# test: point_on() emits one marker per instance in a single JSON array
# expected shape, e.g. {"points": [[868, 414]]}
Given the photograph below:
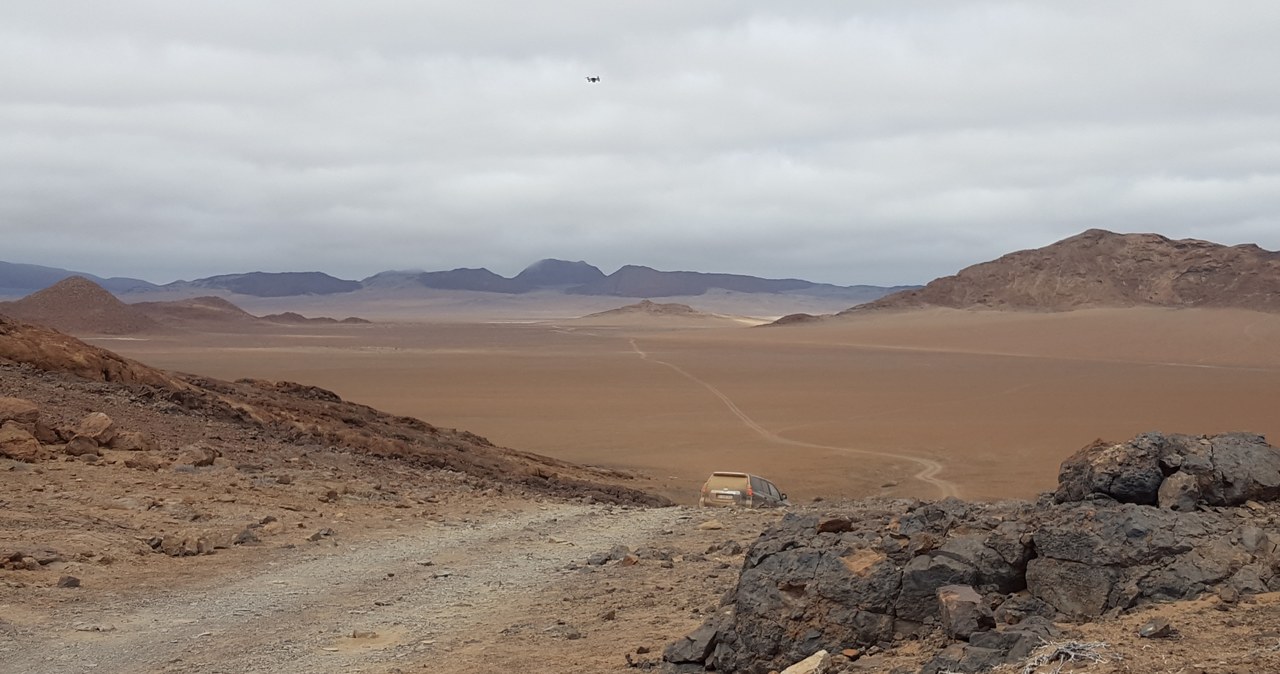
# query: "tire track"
{"points": [[929, 469]]}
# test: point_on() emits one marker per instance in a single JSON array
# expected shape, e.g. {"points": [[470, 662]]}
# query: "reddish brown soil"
{"points": [[998, 399]]}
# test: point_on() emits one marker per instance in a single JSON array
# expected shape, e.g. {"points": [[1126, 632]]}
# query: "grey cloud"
{"points": [[881, 142]]}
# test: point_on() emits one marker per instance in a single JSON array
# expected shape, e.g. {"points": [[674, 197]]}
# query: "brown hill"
{"points": [[652, 308], [647, 313], [297, 318], [205, 309], [80, 306], [1103, 269]]}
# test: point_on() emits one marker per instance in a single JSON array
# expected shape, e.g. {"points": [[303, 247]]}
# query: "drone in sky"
{"points": [[593, 78]]}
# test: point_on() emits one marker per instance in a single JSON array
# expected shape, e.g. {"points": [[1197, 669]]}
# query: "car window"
{"points": [[773, 491]]}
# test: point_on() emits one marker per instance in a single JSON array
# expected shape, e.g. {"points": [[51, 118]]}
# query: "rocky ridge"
{"points": [[1098, 268]]}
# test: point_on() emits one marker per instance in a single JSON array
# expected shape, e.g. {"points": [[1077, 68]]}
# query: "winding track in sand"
{"points": [[929, 469]]}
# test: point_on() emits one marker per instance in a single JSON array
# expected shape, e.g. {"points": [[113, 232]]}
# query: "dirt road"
{"points": [[929, 468], [450, 594]]}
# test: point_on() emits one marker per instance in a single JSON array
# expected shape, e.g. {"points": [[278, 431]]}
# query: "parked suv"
{"points": [[741, 489]]}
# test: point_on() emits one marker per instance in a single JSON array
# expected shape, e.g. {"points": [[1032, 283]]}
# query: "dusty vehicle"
{"points": [[740, 489]]}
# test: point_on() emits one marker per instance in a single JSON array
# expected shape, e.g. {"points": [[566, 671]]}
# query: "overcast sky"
{"points": [[844, 142]]}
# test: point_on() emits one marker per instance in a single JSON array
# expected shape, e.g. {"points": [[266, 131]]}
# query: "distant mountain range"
{"points": [[577, 278], [20, 279], [1098, 268]]}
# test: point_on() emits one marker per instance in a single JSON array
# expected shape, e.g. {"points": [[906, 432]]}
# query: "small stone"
{"points": [[81, 445], [363, 634], [1156, 628], [323, 533], [98, 427], [144, 462], [642, 650], [131, 441], [609, 615], [68, 581], [818, 663], [197, 456], [711, 525]]}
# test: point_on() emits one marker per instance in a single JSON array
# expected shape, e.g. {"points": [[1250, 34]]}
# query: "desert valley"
{"points": [[307, 437]]}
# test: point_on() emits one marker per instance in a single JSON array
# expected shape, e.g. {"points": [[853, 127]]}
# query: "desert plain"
{"points": [[924, 403]]}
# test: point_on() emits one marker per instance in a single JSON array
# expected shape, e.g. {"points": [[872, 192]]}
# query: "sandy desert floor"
{"points": [[983, 405]]}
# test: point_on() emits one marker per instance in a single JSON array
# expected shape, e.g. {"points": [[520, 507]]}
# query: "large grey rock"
{"points": [[1127, 472], [962, 611], [1180, 491], [1174, 471], [1074, 588], [964, 658], [921, 579], [694, 647]]}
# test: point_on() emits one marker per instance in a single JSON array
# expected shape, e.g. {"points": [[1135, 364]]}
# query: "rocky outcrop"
{"points": [[1175, 471], [988, 574]]}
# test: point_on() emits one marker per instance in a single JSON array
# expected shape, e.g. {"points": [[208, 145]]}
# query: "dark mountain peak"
{"points": [[1098, 268], [552, 273], [639, 281], [276, 284], [480, 279]]}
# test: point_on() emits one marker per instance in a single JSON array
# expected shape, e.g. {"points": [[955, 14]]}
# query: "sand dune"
{"points": [[996, 399]]}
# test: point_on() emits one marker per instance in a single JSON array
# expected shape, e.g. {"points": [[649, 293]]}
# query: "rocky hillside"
{"points": [[81, 306], [968, 587], [1103, 269]]}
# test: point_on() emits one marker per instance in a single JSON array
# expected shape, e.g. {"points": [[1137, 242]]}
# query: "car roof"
{"points": [[721, 473]]}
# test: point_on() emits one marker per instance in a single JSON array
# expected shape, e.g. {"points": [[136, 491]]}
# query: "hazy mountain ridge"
{"points": [[20, 279], [274, 284], [1098, 268], [577, 278]]}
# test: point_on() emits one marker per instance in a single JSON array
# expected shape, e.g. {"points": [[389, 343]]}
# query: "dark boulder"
{"points": [[1174, 471]]}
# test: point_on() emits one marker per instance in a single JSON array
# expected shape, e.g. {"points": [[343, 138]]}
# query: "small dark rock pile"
{"points": [[987, 580]]}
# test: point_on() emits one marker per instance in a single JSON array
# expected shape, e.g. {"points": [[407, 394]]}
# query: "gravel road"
{"points": [[297, 610]]}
